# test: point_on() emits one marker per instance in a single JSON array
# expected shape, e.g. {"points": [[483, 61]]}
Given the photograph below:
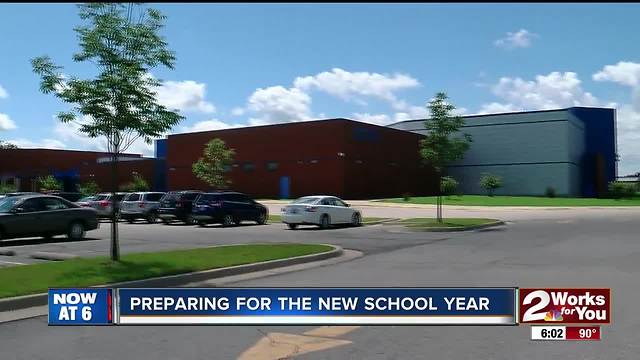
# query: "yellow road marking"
{"points": [[275, 346]]}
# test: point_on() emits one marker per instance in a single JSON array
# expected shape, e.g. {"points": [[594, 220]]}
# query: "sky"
{"points": [[253, 64]]}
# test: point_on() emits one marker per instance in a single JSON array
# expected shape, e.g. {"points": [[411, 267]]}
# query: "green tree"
{"points": [[89, 188], [119, 103], [7, 145], [210, 168], [443, 142], [48, 183], [137, 184], [490, 183]]}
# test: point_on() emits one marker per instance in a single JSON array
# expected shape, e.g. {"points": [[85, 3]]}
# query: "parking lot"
{"points": [[143, 237]]}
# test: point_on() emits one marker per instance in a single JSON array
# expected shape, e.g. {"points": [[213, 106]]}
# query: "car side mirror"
{"points": [[17, 210], [348, 205]]}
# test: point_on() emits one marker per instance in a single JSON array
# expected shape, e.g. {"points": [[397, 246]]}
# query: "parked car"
{"points": [[103, 203], [177, 206], [44, 215], [228, 208], [320, 210], [19, 194], [69, 196], [85, 201], [141, 205]]}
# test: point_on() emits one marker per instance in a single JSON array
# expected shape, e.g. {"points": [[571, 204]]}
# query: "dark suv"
{"points": [[228, 208], [177, 205]]}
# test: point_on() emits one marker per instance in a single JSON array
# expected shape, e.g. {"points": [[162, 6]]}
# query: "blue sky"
{"points": [[252, 64]]}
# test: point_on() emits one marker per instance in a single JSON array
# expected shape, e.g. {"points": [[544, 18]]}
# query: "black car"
{"points": [[44, 215], [177, 205], [228, 208]]}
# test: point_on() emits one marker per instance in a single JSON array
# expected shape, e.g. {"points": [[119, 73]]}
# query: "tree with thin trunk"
{"points": [[211, 167], [443, 142], [119, 104]]}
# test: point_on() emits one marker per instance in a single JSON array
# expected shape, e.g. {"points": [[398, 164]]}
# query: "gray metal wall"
{"points": [[530, 151]]}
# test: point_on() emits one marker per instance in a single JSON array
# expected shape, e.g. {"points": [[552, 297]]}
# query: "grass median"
{"points": [[453, 223], [480, 200], [37, 278]]}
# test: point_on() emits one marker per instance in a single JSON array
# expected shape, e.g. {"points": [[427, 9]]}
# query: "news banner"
{"points": [[554, 313]]}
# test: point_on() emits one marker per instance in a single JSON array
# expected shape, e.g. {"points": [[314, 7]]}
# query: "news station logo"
{"points": [[565, 306]]}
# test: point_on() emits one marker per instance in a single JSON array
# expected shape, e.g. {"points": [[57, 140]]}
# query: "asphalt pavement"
{"points": [[565, 251]]}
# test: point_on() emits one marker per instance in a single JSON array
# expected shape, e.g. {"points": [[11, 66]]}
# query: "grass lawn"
{"points": [[481, 200], [426, 223], [365, 221], [37, 278]]}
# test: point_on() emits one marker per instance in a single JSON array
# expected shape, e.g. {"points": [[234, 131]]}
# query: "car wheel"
{"points": [[130, 221], [227, 220], [292, 226], [325, 221], [165, 221], [152, 218], [262, 218], [76, 231], [356, 219], [202, 224], [189, 220], [47, 236]]}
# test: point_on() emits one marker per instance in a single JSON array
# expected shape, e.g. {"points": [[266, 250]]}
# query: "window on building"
{"points": [[272, 166], [248, 166]]}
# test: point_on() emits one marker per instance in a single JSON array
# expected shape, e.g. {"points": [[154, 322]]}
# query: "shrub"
{"points": [[7, 188], [448, 185], [490, 183], [49, 183], [621, 190], [138, 184], [550, 192], [406, 196], [89, 188]]}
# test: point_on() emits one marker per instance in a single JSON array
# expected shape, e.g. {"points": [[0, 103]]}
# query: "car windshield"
{"points": [[6, 204], [305, 200], [100, 197]]}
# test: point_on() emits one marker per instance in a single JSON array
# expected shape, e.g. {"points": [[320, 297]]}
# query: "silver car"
{"points": [[141, 205], [103, 203]]}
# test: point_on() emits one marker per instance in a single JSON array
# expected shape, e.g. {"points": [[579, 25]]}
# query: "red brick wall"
{"points": [[295, 147]]}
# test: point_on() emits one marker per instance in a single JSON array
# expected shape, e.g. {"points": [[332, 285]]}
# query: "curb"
{"points": [[27, 301], [43, 255], [384, 221], [457, 229]]}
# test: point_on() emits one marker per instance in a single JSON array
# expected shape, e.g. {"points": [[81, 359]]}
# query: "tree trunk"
{"points": [[115, 247], [439, 199]]}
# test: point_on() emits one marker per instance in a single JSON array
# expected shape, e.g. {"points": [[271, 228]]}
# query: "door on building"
{"points": [[285, 187]]}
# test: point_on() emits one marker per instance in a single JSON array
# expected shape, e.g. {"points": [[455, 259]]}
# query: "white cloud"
{"points": [[3, 93], [552, 91], [349, 86], [44, 143], [624, 73], [519, 39], [279, 104], [208, 125], [185, 96], [237, 111], [377, 119], [496, 108], [6, 123]]}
